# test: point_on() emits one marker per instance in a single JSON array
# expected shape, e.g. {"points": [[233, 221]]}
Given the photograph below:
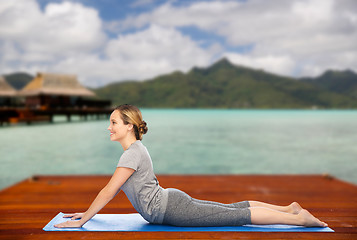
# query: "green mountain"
{"points": [[342, 82], [18, 80], [224, 85]]}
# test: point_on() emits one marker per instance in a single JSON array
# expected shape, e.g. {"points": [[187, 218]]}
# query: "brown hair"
{"points": [[131, 114]]}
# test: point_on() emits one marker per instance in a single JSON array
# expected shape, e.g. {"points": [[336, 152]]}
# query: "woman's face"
{"points": [[118, 130]]}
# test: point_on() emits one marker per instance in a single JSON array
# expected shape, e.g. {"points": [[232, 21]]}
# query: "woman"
{"points": [[135, 176]]}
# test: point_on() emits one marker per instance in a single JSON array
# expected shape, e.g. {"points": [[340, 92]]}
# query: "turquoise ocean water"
{"points": [[191, 142]]}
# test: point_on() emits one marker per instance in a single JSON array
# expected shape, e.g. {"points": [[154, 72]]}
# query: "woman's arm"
{"points": [[119, 177]]}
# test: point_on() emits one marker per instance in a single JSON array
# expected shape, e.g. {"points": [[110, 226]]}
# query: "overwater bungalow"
{"points": [[49, 90], [7, 93], [51, 94]]}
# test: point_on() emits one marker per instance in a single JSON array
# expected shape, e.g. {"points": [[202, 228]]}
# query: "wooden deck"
{"points": [[29, 205]]}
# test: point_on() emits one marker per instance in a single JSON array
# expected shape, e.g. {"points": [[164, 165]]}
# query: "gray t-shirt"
{"points": [[142, 187]]}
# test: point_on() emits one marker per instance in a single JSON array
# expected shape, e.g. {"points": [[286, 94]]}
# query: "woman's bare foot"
{"points": [[294, 208], [308, 220]]}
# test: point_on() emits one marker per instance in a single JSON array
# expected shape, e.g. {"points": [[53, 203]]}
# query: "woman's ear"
{"points": [[130, 126]]}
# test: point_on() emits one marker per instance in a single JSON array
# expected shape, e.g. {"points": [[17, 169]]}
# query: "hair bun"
{"points": [[142, 127]]}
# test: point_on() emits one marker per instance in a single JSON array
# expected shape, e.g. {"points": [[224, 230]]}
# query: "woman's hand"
{"points": [[119, 177], [74, 216], [69, 224]]}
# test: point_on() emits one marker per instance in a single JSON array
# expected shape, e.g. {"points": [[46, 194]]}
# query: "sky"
{"points": [[119, 40]]}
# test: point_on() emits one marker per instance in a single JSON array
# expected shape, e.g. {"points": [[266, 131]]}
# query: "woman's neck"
{"points": [[127, 142]]}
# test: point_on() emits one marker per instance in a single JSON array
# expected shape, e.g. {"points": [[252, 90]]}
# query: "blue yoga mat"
{"points": [[135, 223]]}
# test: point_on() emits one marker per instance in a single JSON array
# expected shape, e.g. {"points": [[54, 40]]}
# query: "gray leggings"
{"points": [[183, 210]]}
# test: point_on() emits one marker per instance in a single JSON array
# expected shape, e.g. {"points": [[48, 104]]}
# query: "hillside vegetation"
{"points": [[224, 85], [18, 80]]}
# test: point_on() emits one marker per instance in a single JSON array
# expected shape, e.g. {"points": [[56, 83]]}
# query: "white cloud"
{"points": [[141, 55], [59, 31], [299, 30], [72, 26], [18, 17], [282, 65], [68, 37], [157, 43], [8, 51], [297, 37]]}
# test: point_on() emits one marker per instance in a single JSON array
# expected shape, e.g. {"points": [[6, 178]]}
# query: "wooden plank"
{"points": [[28, 206]]}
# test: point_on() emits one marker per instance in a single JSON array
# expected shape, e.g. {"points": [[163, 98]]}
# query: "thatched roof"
{"points": [[55, 84], [6, 90]]}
